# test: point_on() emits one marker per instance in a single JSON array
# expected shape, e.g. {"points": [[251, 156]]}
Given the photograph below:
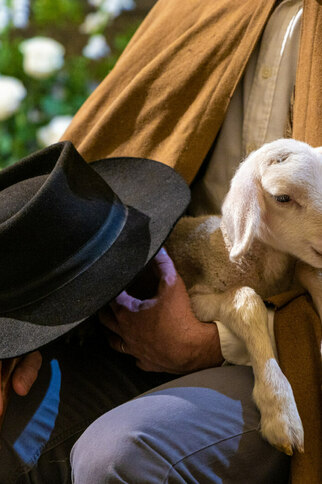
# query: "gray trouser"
{"points": [[157, 437], [201, 428], [75, 386]]}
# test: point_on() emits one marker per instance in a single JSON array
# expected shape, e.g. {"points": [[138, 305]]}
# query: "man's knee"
{"points": [[104, 454], [175, 432]]}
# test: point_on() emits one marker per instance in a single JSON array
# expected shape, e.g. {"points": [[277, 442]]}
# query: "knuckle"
{"points": [[119, 311]]}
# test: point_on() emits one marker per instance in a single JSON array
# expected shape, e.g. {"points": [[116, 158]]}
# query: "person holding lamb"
{"points": [[200, 86]]}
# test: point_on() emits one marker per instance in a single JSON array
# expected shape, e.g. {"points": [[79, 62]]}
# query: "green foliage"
{"points": [[11, 57], [63, 92], [58, 12]]}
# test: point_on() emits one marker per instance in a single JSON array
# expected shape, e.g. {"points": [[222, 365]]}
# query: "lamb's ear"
{"points": [[242, 209]]}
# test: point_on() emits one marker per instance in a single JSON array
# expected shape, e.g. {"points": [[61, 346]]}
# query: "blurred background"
{"points": [[53, 53]]}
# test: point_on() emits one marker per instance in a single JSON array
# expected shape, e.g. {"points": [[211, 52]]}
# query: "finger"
{"points": [[125, 301], [150, 366], [117, 343], [26, 373], [165, 269], [107, 318]]}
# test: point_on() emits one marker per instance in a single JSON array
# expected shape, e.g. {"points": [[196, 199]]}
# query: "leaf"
{"points": [[49, 12], [5, 144]]}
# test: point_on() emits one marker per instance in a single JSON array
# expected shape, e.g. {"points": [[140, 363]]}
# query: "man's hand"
{"points": [[162, 333], [24, 374]]}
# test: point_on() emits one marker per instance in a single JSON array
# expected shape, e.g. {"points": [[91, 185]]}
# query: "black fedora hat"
{"points": [[74, 235]]}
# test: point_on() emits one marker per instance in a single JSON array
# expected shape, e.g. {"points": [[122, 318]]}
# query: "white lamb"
{"points": [[271, 220]]}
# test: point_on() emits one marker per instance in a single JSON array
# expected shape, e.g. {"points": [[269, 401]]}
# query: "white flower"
{"points": [[12, 92], [17, 13], [94, 22], [95, 3], [106, 10], [52, 133], [115, 7], [96, 47], [4, 15], [42, 56], [20, 13]]}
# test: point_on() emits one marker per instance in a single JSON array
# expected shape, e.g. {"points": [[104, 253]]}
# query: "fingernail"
{"points": [[163, 251]]}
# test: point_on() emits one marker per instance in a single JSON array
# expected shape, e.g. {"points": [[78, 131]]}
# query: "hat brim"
{"points": [[156, 197]]}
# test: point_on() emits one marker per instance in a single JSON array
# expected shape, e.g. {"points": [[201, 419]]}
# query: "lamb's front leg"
{"points": [[243, 311]]}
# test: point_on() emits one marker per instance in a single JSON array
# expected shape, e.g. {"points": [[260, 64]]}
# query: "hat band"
{"points": [[72, 267]]}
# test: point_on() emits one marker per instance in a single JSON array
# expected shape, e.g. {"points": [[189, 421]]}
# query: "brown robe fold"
{"points": [[166, 99]]}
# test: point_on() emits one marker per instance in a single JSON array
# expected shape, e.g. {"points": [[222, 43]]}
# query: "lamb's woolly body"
{"points": [[263, 268], [230, 264]]}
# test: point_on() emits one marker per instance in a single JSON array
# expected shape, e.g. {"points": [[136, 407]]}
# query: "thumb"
{"points": [[164, 268], [125, 301]]}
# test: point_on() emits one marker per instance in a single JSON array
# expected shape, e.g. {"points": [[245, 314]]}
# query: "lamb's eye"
{"points": [[282, 198], [282, 158]]}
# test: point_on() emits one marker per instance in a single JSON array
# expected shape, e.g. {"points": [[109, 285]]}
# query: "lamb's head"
{"points": [[276, 196]]}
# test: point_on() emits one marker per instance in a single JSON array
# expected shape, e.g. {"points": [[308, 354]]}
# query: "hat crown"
{"points": [[39, 246]]}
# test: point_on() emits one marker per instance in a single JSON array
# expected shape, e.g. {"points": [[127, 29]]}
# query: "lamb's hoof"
{"points": [[287, 449], [285, 434], [281, 424], [283, 429]]}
